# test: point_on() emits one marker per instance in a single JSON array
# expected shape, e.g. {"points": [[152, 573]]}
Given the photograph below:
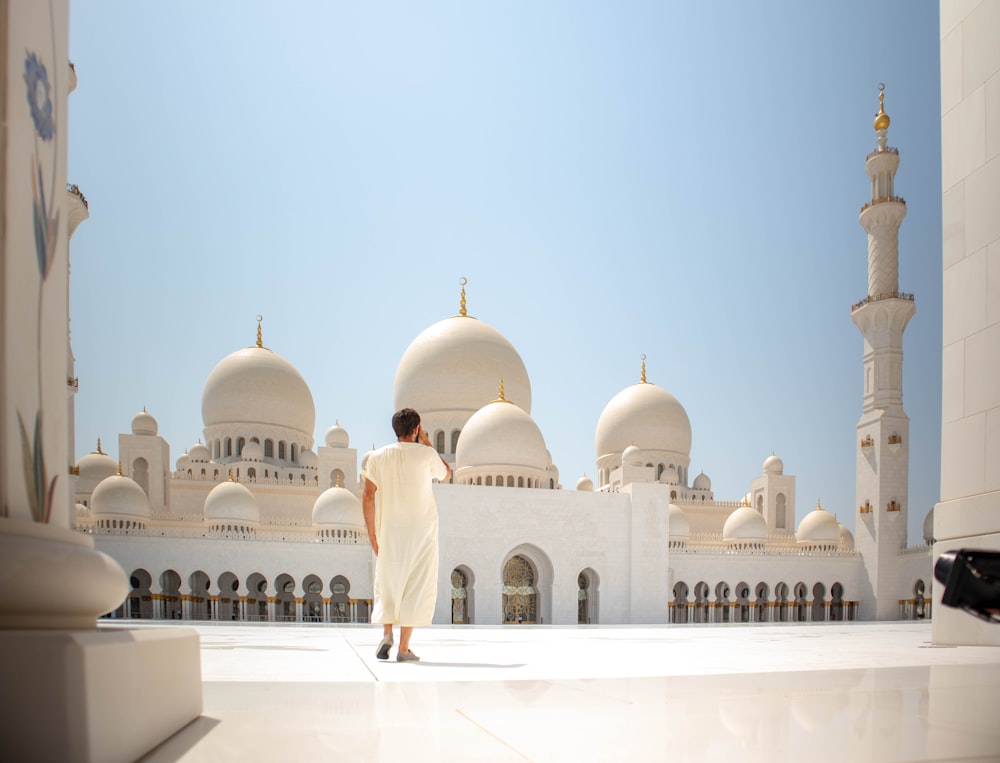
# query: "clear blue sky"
{"points": [[676, 179]]}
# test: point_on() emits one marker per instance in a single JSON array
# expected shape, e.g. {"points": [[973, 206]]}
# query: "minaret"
{"points": [[883, 430]]}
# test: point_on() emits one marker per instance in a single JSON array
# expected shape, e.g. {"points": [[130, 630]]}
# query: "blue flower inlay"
{"points": [[37, 80]]}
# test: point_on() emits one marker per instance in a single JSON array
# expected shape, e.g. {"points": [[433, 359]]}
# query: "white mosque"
{"points": [[259, 523]]}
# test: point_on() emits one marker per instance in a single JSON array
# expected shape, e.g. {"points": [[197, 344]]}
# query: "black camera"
{"points": [[971, 581]]}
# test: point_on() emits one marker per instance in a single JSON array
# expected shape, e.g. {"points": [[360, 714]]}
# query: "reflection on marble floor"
{"points": [[867, 692]]}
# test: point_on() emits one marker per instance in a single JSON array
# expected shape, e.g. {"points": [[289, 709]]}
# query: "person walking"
{"points": [[403, 531]]}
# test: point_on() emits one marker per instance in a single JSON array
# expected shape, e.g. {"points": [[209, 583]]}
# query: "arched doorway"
{"points": [[742, 602], [140, 599], [836, 602], [781, 601], [312, 601], [340, 600], [199, 583], [286, 609], [701, 602], [256, 604], [520, 597], [587, 597], [722, 603], [762, 592], [818, 604], [800, 602], [919, 605], [140, 474], [229, 601], [679, 611], [170, 596], [461, 596]]}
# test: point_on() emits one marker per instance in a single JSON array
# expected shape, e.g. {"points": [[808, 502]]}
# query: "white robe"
{"points": [[406, 528]]}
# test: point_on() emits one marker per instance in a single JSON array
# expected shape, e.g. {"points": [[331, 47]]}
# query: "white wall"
{"points": [[969, 512]]}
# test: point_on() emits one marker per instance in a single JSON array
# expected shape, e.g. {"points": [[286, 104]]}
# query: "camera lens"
{"points": [[944, 564]]}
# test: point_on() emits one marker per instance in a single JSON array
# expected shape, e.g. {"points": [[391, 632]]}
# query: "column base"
{"points": [[109, 694]]}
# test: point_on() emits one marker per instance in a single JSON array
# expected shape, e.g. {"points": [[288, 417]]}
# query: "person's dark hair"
{"points": [[405, 421]]}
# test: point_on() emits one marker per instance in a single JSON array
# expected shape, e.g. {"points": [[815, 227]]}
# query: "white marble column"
{"points": [[70, 691]]}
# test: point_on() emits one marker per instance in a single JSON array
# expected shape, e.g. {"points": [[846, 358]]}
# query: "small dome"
{"points": [[336, 437], [338, 506], [231, 502], [199, 453], [745, 524], [631, 456], [308, 459], [702, 482], [97, 466], [818, 526], [929, 528], [183, 461], [669, 476], [252, 451], [120, 496], [585, 484], [678, 524], [501, 434], [846, 539], [143, 423], [773, 465]]}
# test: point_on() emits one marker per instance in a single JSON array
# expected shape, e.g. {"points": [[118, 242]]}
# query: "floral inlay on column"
{"points": [[40, 489]]}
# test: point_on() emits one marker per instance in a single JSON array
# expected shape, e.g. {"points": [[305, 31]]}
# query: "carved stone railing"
{"points": [[880, 297], [74, 189], [886, 150]]}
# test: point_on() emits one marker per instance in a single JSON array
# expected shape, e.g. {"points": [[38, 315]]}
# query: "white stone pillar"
{"points": [[70, 691]]}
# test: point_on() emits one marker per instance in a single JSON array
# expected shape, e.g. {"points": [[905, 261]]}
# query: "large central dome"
{"points": [[644, 415], [257, 386], [455, 365]]}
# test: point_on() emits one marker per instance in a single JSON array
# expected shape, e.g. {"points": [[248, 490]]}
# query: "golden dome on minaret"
{"points": [[881, 119]]}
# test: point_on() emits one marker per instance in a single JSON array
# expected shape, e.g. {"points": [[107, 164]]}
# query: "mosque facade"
{"points": [[257, 522]]}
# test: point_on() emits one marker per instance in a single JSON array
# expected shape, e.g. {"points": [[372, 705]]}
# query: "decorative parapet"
{"points": [[868, 442], [886, 150], [883, 200], [880, 297], [74, 189], [73, 382], [865, 508], [895, 439], [893, 506]]}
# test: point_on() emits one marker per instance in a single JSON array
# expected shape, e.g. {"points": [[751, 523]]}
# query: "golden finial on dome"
{"points": [[120, 473], [101, 452], [461, 302], [340, 482], [745, 502], [881, 119], [642, 378], [819, 507], [232, 478], [501, 398], [260, 334]]}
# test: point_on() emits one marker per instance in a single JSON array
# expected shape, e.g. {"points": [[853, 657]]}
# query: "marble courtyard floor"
{"points": [[789, 692]]}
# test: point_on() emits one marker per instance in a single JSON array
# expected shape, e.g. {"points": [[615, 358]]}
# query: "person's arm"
{"points": [[368, 503], [425, 440]]}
